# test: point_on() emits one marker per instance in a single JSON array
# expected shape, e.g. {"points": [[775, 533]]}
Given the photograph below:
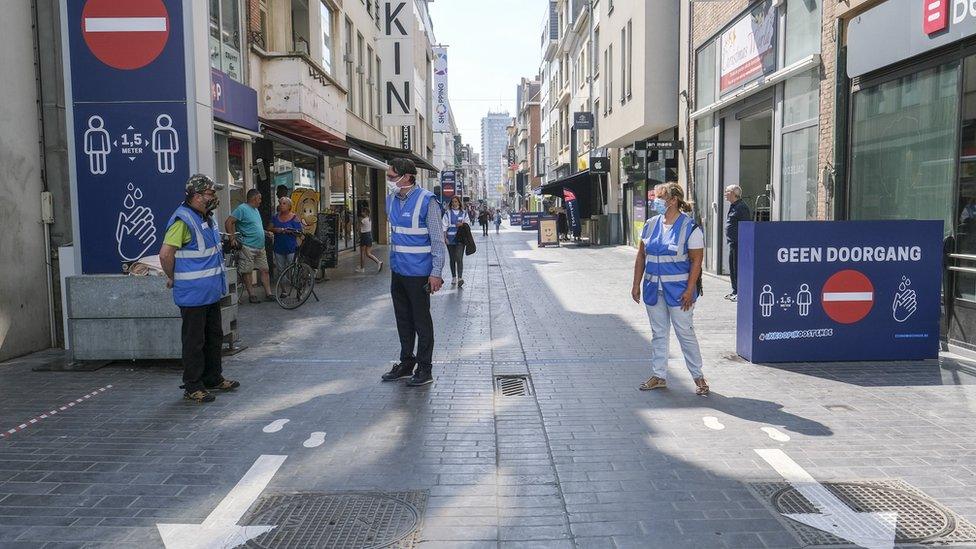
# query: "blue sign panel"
{"points": [[233, 102], [530, 221], [839, 291], [514, 220], [129, 132], [448, 184]]}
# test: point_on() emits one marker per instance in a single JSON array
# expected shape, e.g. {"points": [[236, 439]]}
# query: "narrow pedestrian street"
{"points": [[585, 460]]}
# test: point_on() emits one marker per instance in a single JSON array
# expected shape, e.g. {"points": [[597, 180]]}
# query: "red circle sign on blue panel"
{"points": [[848, 296], [125, 35]]}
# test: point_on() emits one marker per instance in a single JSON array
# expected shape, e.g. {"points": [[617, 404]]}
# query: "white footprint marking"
{"points": [[776, 434], [315, 439], [275, 426], [713, 423]]}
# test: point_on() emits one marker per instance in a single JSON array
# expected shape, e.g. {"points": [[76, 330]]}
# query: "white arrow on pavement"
{"points": [[870, 530], [220, 530]]}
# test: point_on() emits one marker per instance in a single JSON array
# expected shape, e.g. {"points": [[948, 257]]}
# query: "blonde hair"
{"points": [[673, 190]]}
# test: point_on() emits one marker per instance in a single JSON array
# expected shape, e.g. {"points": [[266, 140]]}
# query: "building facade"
{"points": [[528, 141]]}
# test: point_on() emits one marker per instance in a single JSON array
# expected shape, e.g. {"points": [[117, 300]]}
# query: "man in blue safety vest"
{"points": [[417, 253], [193, 261]]}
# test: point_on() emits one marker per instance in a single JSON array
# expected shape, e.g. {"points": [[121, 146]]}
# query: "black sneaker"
{"points": [[399, 371], [422, 377], [199, 396]]}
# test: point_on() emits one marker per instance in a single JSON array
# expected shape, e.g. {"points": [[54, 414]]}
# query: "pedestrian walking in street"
{"points": [[246, 219], [738, 211], [454, 219], [498, 220], [483, 221], [192, 259], [284, 226], [366, 242], [667, 271], [417, 254]]}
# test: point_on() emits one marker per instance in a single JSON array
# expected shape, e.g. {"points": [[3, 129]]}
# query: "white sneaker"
{"points": [[360, 270], [453, 282]]}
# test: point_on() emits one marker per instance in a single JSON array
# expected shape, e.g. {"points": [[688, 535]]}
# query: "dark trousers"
{"points": [[484, 229], [411, 303], [457, 259], [734, 267], [202, 336]]}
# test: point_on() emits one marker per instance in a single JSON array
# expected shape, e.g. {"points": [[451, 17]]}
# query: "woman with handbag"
{"points": [[454, 218]]}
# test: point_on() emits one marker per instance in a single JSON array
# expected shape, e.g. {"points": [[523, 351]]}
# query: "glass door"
{"points": [[961, 275]]}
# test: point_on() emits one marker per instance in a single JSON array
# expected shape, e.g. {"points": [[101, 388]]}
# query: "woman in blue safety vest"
{"points": [[454, 218], [667, 270]]}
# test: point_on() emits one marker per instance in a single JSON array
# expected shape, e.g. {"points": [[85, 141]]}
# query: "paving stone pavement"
{"points": [[587, 461]]}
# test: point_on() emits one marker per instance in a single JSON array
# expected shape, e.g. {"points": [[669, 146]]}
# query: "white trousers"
{"points": [[662, 317]]}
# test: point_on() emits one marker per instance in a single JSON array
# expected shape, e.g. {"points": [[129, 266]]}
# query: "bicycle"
{"points": [[232, 258], [296, 283]]}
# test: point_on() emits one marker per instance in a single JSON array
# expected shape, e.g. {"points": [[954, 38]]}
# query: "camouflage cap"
{"points": [[199, 183]]}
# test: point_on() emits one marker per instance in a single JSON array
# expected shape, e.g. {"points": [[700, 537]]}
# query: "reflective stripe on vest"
{"points": [[198, 273], [410, 240], [667, 264]]}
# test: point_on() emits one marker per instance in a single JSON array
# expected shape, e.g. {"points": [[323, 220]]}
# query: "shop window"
{"points": [[326, 17], [964, 225], [801, 101], [904, 146], [347, 56], [630, 59], [705, 76], [360, 75], [803, 24], [225, 38], [800, 176]]}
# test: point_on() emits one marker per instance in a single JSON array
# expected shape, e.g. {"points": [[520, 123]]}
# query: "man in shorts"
{"points": [[246, 220]]}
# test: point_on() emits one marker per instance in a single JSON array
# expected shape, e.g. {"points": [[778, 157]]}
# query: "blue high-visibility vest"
{"points": [[667, 264], [453, 217], [410, 251], [199, 276]]}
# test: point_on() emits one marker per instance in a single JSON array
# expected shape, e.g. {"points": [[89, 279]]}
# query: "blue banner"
{"points": [[572, 212], [514, 220], [129, 125], [839, 291]]}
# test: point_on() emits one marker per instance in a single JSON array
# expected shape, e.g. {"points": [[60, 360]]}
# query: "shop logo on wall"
{"points": [[935, 18]]}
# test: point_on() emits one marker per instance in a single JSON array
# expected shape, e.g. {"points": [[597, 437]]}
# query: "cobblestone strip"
{"points": [[530, 500]]}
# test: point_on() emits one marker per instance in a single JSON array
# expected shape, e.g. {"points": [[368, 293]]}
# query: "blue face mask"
{"points": [[660, 206]]}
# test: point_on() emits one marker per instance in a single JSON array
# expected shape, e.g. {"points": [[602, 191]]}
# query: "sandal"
{"points": [[653, 383], [702, 387], [253, 299]]}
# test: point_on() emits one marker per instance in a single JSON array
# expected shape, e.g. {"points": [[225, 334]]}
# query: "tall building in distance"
{"points": [[494, 150]]}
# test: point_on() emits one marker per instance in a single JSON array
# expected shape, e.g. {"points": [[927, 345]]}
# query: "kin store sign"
{"points": [[395, 45], [839, 290]]}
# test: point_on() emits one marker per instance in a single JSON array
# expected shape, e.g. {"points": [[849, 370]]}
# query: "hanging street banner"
{"points": [[128, 115], [442, 105], [839, 291], [748, 47], [395, 45]]}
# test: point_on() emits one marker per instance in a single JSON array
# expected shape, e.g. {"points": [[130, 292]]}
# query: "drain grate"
{"points": [[839, 407], [339, 520], [493, 265], [920, 519], [513, 386]]}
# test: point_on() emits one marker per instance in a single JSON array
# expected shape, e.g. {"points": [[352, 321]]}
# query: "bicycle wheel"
{"points": [[294, 286]]}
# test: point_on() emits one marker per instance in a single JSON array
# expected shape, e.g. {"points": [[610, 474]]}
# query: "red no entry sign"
{"points": [[848, 297], [125, 35]]}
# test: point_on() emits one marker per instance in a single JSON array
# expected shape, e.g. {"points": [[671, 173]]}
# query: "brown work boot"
{"points": [[653, 383], [702, 387], [200, 396], [225, 385]]}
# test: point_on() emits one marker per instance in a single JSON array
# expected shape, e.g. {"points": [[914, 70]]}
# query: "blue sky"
{"points": [[492, 44]]}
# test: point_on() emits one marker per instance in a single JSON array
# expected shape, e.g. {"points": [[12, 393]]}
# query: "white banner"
{"points": [[442, 105], [749, 47], [396, 50]]}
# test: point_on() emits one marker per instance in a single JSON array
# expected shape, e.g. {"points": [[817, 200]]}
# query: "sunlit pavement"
{"points": [[585, 461]]}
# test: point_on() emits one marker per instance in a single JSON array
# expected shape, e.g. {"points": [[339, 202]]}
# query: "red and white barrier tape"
{"points": [[46, 415]]}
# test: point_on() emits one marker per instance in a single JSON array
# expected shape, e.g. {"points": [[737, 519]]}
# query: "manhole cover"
{"points": [[360, 520], [920, 519], [512, 386]]}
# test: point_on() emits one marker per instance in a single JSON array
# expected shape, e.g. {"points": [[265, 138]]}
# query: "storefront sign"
{"points": [[442, 107], [749, 47], [448, 184], [127, 118], [839, 291], [233, 102], [395, 47], [671, 145], [327, 230], [548, 235], [582, 121], [515, 220], [512, 159], [903, 26], [406, 138], [530, 221]]}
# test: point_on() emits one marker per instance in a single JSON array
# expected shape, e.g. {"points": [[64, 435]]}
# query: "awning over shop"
{"points": [[587, 186], [307, 134], [389, 153]]}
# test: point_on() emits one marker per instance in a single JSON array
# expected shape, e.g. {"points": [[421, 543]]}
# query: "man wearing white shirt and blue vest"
{"points": [[193, 261], [417, 253]]}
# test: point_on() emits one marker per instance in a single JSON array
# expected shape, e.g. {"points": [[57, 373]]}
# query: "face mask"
{"points": [[660, 206], [212, 204], [391, 184]]}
